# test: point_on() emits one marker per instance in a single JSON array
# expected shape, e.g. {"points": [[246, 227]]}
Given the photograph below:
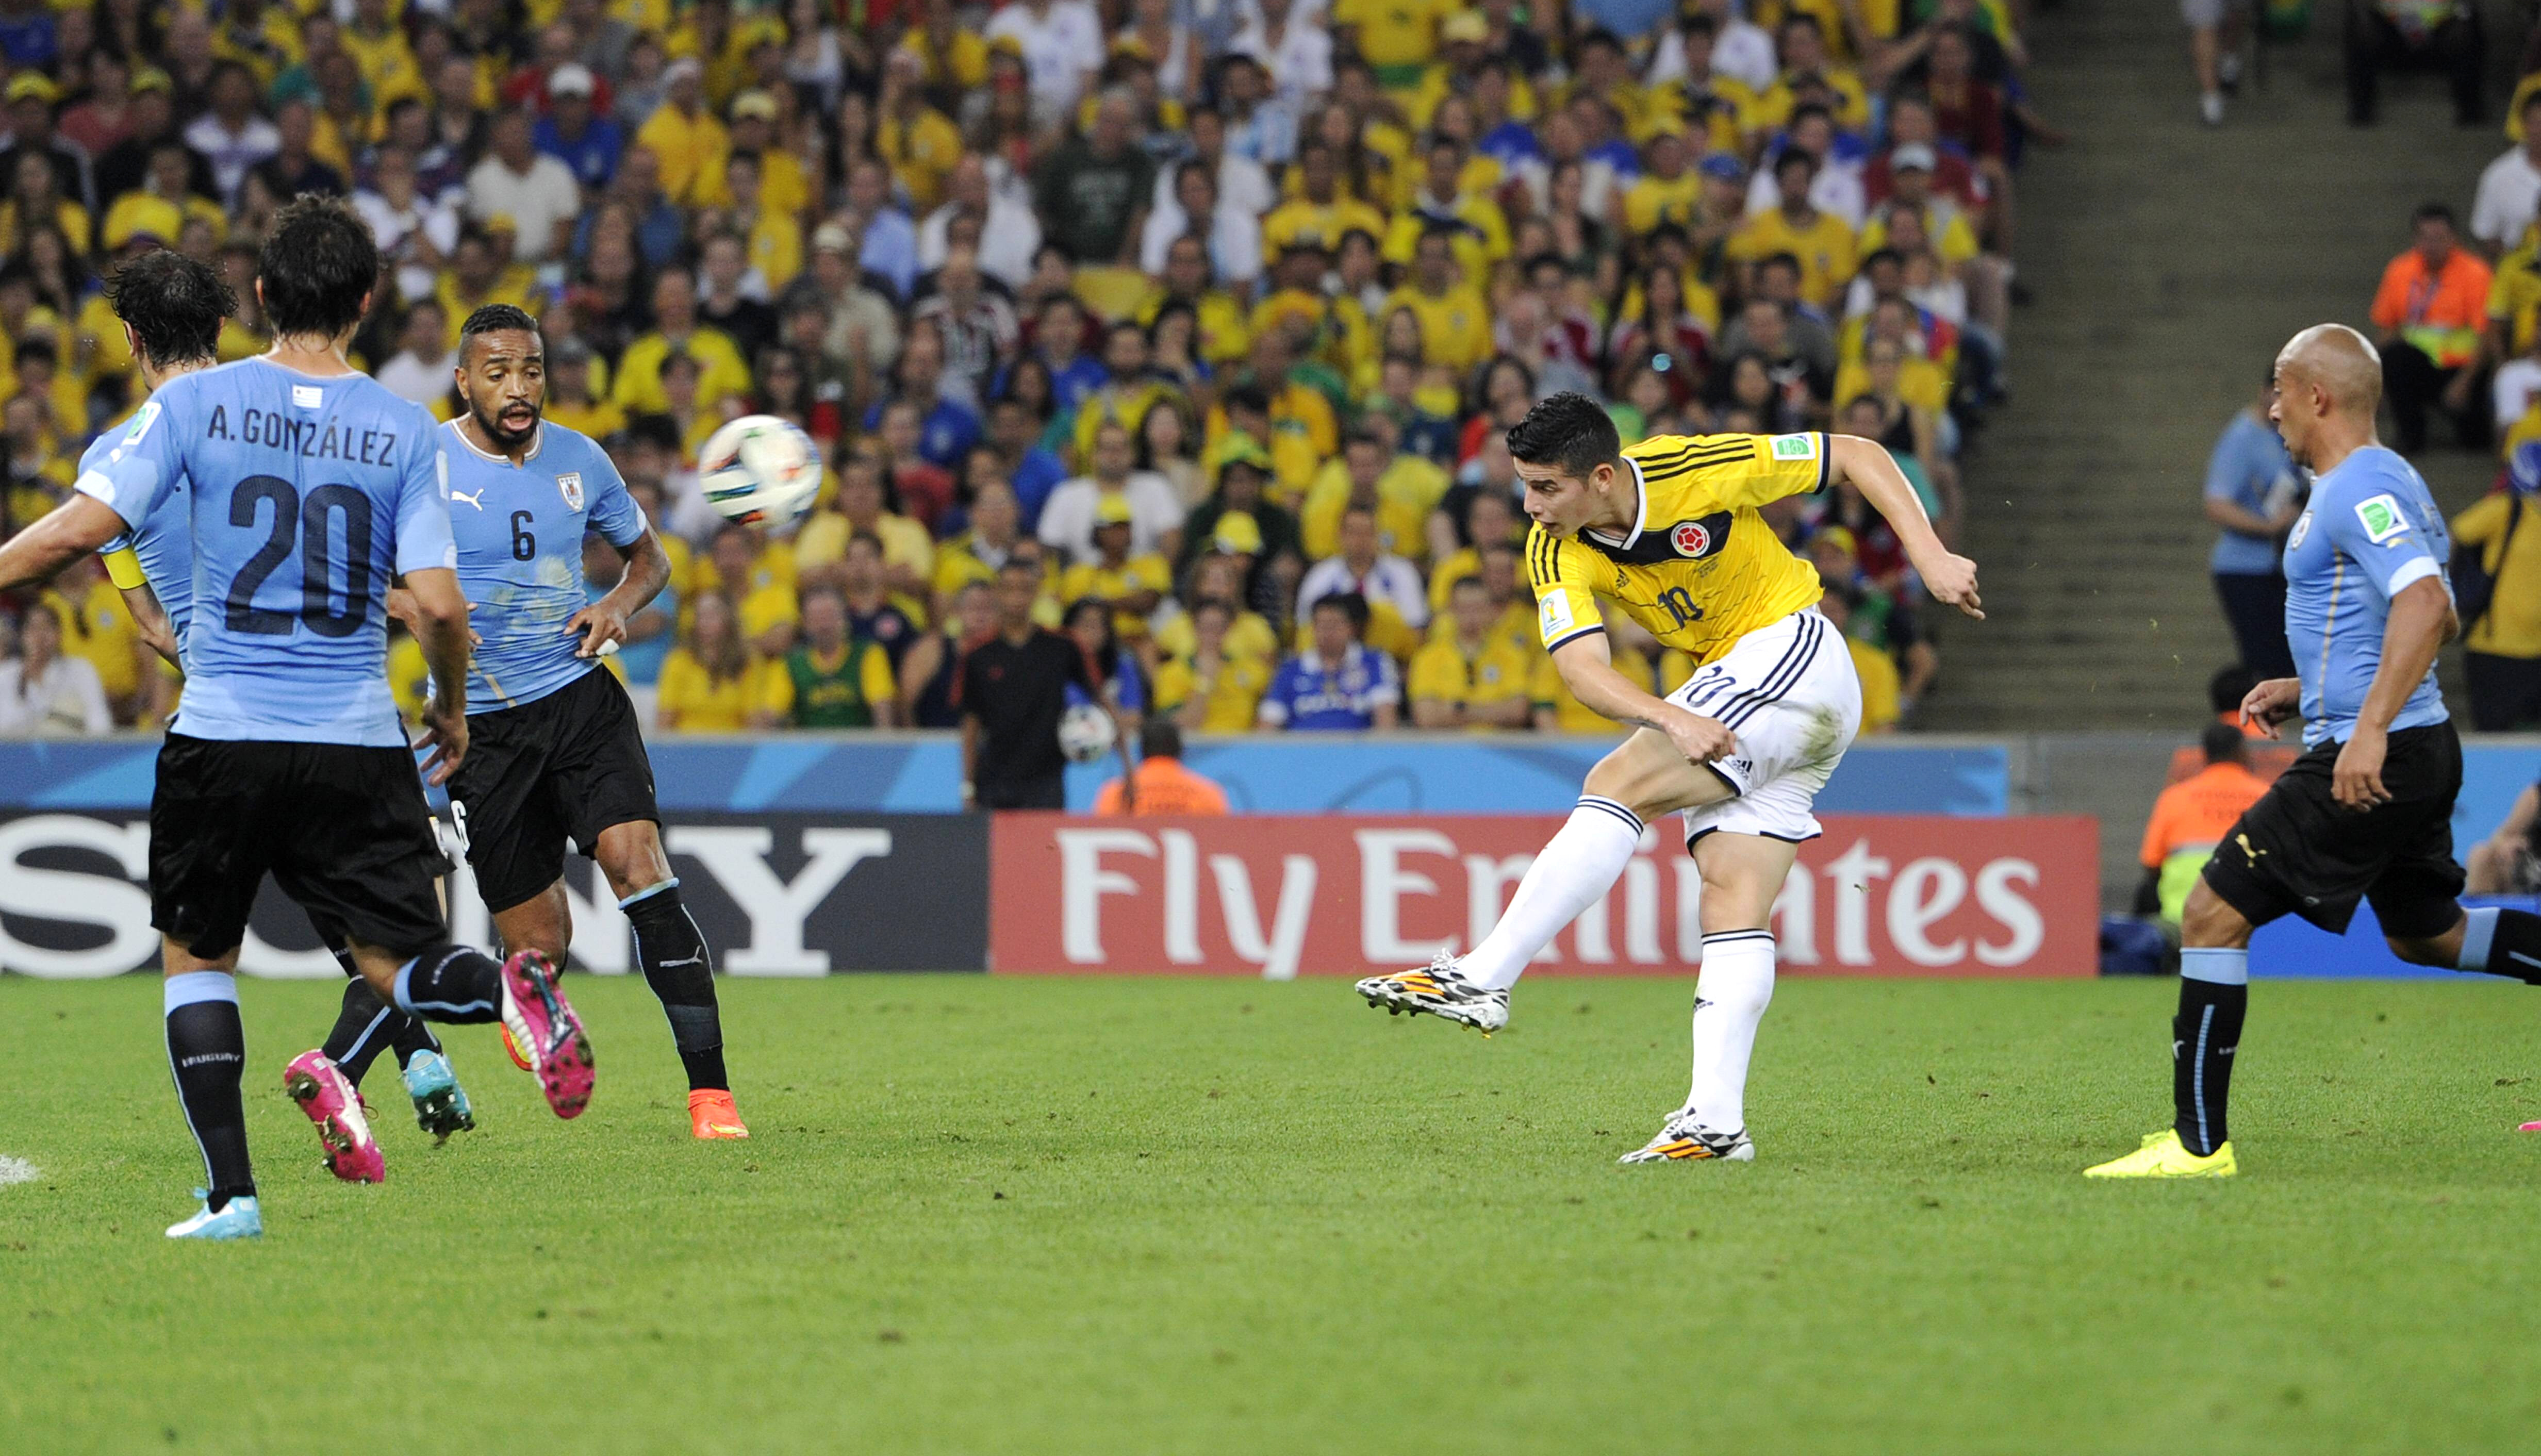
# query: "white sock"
{"points": [[1729, 1000], [1577, 865]]}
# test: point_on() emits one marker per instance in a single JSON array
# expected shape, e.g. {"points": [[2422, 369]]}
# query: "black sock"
{"points": [[676, 966], [207, 1052], [368, 1026], [2503, 942], [2202, 1039], [451, 982]]}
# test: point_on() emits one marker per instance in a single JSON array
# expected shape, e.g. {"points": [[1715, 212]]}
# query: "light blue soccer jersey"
{"points": [[164, 544], [2370, 530], [519, 530], [306, 496]]}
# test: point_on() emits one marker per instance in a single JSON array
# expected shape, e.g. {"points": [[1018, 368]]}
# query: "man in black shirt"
{"points": [[748, 322], [1012, 690]]}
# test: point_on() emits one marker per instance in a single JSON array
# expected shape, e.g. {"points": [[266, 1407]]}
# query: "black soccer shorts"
{"points": [[567, 766], [343, 830], [2299, 851]]}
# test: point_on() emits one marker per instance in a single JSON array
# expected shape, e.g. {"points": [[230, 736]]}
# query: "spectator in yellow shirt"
{"points": [[685, 139], [377, 45], [1821, 242], [1211, 689], [1669, 186], [98, 627], [951, 59], [572, 401], [1324, 210], [1882, 695], [1809, 73], [1294, 420], [1316, 329], [978, 554], [639, 385], [918, 143], [2503, 660], [1455, 320], [1397, 37], [707, 680], [758, 580], [783, 185], [1130, 586], [908, 553], [1466, 676], [1402, 488], [1478, 231], [481, 272], [771, 239]]}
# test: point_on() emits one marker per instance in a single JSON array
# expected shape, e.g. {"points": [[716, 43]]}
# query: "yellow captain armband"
{"points": [[123, 569]]}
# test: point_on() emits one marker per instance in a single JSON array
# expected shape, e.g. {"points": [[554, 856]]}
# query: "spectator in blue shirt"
{"points": [[1073, 372], [2251, 491], [1032, 471], [571, 133], [27, 36], [947, 429], [891, 240], [1342, 684], [660, 231]]}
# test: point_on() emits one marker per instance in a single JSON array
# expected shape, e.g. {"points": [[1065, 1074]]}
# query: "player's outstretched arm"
{"points": [[440, 624], [74, 528], [1949, 577], [602, 626], [1587, 667]]}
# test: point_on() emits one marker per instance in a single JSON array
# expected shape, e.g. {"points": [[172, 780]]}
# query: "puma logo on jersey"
{"points": [[478, 500], [2247, 853]]}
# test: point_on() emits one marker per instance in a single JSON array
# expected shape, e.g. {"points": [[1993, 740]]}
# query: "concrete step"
{"points": [[2169, 261]]}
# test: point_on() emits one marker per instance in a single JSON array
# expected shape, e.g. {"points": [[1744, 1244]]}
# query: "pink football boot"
{"points": [[543, 1026], [328, 1097]]}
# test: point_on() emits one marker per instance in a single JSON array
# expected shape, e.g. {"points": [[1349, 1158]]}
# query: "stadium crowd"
{"points": [[2458, 318], [1200, 321]]}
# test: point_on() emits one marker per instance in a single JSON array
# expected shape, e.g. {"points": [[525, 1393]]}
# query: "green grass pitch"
{"points": [[1120, 1215]]}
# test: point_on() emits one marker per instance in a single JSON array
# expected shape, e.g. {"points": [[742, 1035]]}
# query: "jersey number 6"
{"points": [[312, 525], [525, 544]]}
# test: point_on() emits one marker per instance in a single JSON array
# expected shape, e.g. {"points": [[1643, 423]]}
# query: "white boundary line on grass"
{"points": [[17, 1170]]}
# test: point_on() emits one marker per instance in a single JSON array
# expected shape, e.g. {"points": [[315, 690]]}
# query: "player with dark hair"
{"points": [[310, 490], [1669, 530], [2365, 814], [556, 753], [171, 307]]}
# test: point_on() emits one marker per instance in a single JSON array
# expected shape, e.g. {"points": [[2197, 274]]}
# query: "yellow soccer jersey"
{"points": [[1700, 568]]}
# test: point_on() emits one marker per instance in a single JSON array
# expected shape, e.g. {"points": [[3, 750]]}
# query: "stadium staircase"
{"points": [[2168, 261]]}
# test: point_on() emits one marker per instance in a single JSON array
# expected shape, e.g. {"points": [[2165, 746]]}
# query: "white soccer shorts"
{"points": [[1790, 694]]}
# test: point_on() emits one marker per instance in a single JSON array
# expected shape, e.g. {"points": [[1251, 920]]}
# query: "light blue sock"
{"points": [[2218, 965], [649, 890], [398, 993], [197, 986], [2479, 932]]}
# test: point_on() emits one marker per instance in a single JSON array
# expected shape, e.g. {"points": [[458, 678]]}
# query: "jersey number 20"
{"points": [[310, 526]]}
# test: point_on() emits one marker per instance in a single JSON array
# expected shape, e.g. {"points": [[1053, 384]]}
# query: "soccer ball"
{"points": [[759, 470], [1085, 733]]}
